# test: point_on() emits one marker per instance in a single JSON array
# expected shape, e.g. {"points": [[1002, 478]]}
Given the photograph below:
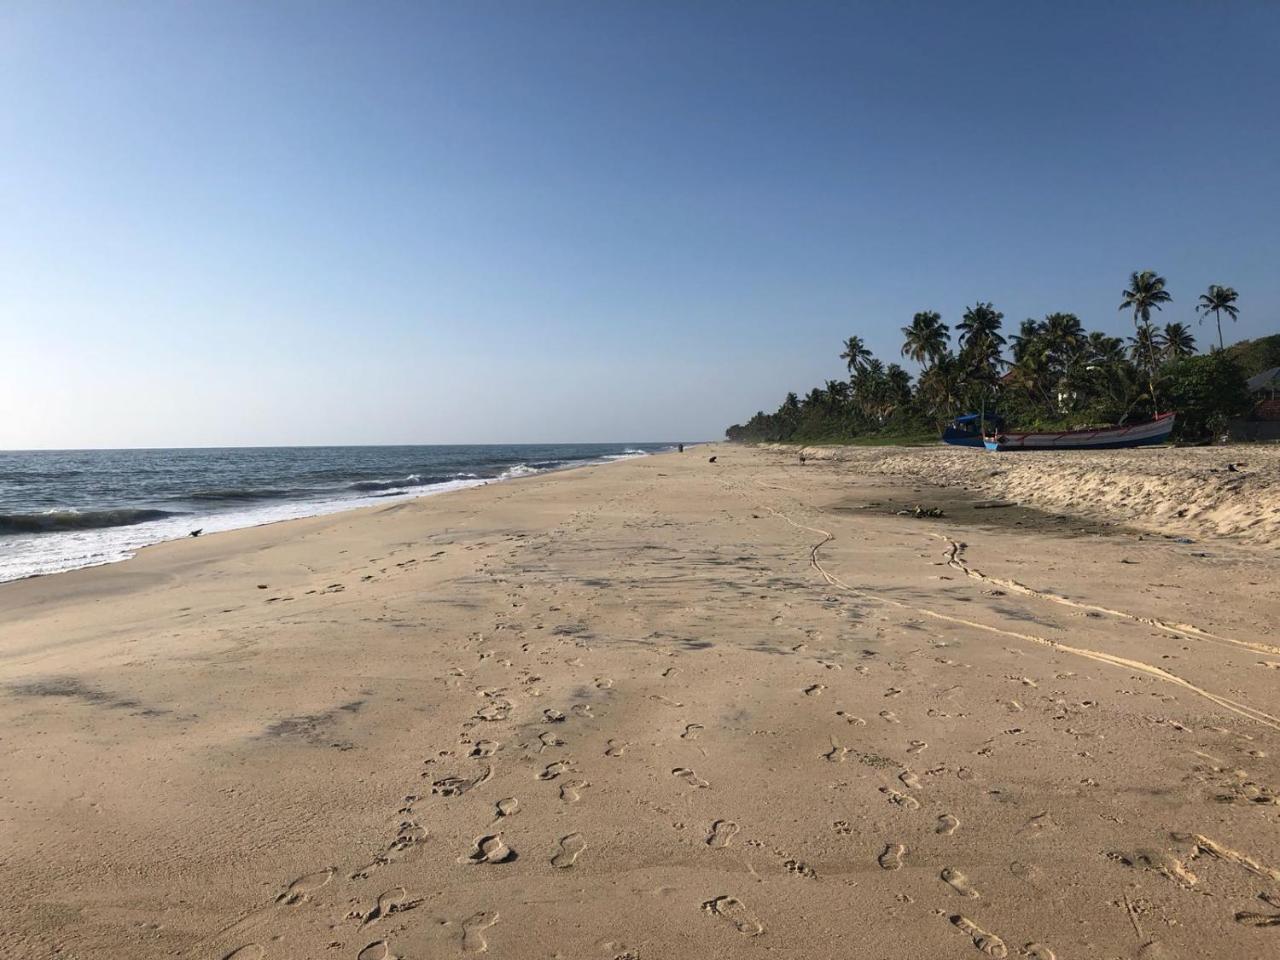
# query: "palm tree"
{"points": [[926, 338], [899, 384], [1218, 300], [1064, 334], [855, 354], [1145, 344], [1146, 290], [939, 386], [1026, 339], [1176, 341], [980, 341], [980, 321]]}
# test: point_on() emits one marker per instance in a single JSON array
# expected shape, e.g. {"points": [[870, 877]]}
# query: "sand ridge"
{"points": [[658, 708]]}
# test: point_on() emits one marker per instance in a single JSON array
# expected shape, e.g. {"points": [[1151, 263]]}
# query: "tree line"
{"points": [[1049, 374]]}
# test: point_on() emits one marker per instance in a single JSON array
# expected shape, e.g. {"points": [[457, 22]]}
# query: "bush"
{"points": [[1205, 392]]}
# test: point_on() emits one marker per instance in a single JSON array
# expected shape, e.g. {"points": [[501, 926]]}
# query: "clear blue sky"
{"points": [[309, 222]]}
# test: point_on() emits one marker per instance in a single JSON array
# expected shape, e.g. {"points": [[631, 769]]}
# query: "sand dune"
{"points": [[662, 708]]}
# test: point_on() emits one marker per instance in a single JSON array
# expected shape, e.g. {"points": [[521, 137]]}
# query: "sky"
{"points": [[228, 223]]}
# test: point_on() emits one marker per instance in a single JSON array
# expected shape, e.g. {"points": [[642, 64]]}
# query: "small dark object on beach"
{"points": [[922, 512], [196, 533], [802, 459], [711, 459], [681, 446]]}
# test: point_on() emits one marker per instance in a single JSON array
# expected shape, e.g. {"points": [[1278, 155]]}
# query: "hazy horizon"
{"points": [[295, 224]]}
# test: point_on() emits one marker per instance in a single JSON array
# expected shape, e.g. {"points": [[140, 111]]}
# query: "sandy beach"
{"points": [[663, 708]]}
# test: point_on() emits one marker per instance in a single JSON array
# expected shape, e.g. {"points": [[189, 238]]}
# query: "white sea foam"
{"points": [[26, 555]]}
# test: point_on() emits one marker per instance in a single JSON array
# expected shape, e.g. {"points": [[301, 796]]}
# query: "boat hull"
{"points": [[1109, 438]]}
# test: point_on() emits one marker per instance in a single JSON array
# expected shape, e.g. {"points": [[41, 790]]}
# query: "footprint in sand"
{"points": [[549, 740], [850, 718], [603, 683], [378, 950], [889, 716], [900, 799], [987, 943], [909, 779], [616, 748], [491, 850], [689, 777], [916, 746], [250, 951], [473, 928], [891, 859], [553, 770], [735, 911], [582, 710], [389, 902], [946, 825], [457, 786], [958, 882], [571, 848], [552, 716], [815, 690], [1251, 919], [691, 731], [508, 807], [408, 835], [722, 831], [801, 869], [1038, 951], [484, 748], [304, 886], [571, 790], [836, 754]]}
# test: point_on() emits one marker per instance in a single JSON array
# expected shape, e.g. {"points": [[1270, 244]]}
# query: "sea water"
{"points": [[64, 509]]}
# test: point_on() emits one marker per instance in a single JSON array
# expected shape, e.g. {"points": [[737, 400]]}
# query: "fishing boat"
{"points": [[1103, 438], [967, 430]]}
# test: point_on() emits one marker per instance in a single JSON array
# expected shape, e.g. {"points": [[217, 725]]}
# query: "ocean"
{"points": [[65, 509]]}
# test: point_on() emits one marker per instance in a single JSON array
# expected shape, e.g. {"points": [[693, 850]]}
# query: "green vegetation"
{"points": [[1255, 356], [1050, 374]]}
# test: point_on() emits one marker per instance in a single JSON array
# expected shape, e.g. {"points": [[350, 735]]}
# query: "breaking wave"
{"points": [[56, 520]]}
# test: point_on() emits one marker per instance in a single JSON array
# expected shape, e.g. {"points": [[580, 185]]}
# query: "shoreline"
{"points": [[434, 490], [678, 708]]}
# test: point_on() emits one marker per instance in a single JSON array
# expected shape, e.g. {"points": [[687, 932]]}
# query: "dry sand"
{"points": [[658, 709], [1190, 490]]}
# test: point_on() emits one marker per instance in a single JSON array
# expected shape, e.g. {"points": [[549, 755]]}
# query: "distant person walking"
{"points": [[681, 446]]}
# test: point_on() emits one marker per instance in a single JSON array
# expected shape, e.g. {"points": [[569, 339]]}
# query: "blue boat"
{"points": [[966, 431], [1102, 438]]}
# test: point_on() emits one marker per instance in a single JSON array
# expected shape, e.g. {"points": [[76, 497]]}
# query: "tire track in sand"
{"points": [[1240, 709]]}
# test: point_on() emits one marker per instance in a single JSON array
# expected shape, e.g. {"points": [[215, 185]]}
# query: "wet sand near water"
{"points": [[658, 708]]}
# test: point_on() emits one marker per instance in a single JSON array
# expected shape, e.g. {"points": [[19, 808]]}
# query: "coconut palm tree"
{"points": [[1176, 341], [980, 342], [855, 354], [1064, 334], [1145, 345], [926, 339], [1146, 290], [981, 321], [939, 386], [1218, 300], [1026, 339]]}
